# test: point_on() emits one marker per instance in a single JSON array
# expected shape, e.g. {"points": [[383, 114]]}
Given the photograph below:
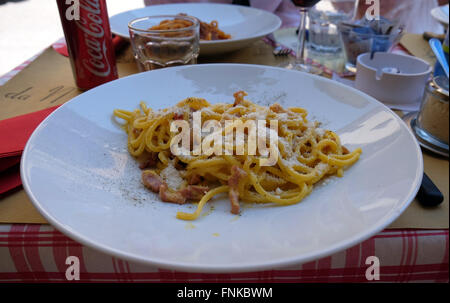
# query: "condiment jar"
{"points": [[432, 122]]}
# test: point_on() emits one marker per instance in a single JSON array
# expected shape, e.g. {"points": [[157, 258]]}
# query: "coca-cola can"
{"points": [[89, 41]]}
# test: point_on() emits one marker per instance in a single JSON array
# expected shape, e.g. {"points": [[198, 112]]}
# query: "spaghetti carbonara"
{"points": [[208, 31], [305, 152]]}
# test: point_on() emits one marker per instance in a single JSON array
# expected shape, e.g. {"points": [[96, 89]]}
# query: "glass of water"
{"points": [[324, 36], [164, 41]]}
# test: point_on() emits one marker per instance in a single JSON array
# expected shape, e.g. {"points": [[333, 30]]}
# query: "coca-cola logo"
{"points": [[91, 24]]}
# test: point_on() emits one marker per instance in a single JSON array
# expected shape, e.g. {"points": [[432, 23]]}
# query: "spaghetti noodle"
{"points": [[306, 155], [208, 31]]}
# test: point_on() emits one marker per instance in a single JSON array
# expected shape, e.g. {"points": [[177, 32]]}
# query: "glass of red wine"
{"points": [[300, 62]]}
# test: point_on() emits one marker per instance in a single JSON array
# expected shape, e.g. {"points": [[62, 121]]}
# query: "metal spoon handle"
{"points": [[439, 52]]}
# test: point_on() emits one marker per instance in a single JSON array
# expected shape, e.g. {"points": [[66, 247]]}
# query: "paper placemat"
{"points": [[48, 81], [418, 47]]}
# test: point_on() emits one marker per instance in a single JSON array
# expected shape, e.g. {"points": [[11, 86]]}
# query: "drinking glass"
{"points": [[300, 63], [323, 33], [358, 40], [158, 48]]}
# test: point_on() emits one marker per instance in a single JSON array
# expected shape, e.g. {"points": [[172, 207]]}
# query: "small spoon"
{"points": [[439, 52]]}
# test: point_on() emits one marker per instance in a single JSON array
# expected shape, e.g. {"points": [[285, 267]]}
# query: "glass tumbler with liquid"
{"points": [[164, 41], [324, 18]]}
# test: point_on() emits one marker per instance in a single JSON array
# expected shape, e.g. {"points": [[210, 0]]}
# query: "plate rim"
{"points": [[436, 14], [208, 268], [214, 42]]}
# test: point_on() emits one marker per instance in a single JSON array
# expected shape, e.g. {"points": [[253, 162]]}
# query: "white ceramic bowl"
{"points": [[78, 173], [396, 80]]}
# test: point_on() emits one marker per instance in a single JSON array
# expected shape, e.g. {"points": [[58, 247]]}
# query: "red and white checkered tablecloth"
{"points": [[38, 253]]}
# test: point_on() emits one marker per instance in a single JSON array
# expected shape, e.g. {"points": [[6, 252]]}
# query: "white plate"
{"points": [[441, 14], [80, 177], [244, 24]]}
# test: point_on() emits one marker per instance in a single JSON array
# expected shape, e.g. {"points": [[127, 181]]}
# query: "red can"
{"points": [[89, 41]]}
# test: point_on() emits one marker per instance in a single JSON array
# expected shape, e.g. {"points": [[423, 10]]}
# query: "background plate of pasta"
{"points": [[101, 168], [227, 27]]}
